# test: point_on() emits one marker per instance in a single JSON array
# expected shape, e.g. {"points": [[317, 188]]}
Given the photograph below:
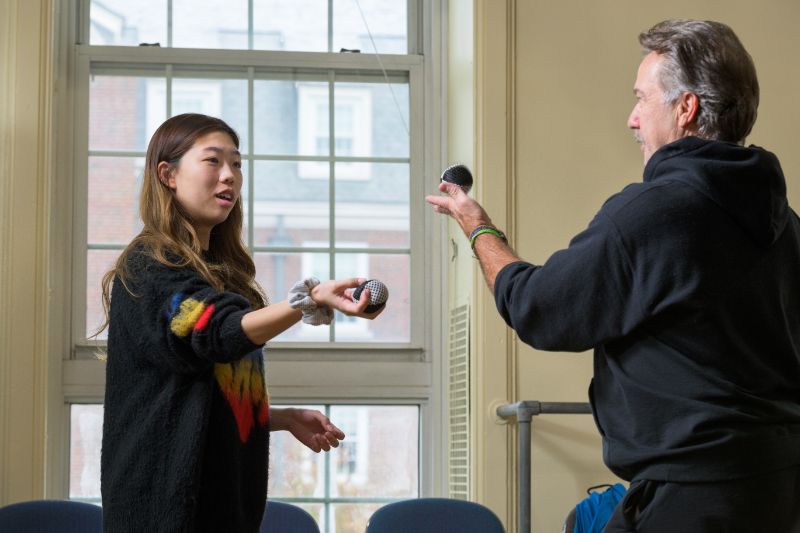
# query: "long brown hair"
{"points": [[168, 235]]}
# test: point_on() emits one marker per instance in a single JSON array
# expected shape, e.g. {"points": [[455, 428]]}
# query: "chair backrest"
{"points": [[280, 517], [51, 516], [434, 515]]}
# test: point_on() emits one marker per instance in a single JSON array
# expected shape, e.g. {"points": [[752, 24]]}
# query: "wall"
{"points": [[25, 37], [559, 116]]}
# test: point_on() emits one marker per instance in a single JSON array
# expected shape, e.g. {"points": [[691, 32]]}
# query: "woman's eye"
{"points": [[238, 164], [212, 160]]}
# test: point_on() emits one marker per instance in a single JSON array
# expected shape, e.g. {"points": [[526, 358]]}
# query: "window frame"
{"points": [[403, 373], [327, 499], [157, 58]]}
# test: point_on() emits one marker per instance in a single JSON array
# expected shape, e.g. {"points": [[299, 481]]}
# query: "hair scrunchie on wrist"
{"points": [[300, 298]]}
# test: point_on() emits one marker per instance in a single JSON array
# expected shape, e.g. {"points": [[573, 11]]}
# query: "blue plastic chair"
{"points": [[51, 516], [434, 515], [280, 517]]}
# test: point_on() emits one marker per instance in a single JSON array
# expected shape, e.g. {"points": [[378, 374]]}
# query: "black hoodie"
{"points": [[688, 288]]}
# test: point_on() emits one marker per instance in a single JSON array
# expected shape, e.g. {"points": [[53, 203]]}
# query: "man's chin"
{"points": [[645, 153]]}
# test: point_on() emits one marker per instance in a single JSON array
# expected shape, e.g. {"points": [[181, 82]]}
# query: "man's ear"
{"points": [[687, 108], [164, 170]]}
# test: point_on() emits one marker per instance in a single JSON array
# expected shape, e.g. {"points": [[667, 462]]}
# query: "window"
{"points": [[347, 328], [352, 134], [337, 155], [363, 196], [295, 25], [84, 447], [377, 463]]}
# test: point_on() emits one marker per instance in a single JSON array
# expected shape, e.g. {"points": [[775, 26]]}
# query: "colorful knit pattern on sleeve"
{"points": [[241, 382], [187, 314]]}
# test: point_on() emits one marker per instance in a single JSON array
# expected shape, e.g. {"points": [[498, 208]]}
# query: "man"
{"points": [[687, 286]]}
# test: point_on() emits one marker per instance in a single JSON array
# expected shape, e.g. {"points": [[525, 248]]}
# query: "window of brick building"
{"points": [[334, 102]]}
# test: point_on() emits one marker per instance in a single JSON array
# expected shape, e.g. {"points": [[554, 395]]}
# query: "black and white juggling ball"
{"points": [[459, 175], [378, 294]]}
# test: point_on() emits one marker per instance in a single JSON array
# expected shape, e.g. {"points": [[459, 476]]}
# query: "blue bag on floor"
{"points": [[592, 514]]}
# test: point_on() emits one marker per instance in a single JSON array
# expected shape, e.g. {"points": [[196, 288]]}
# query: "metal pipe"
{"points": [[524, 475], [523, 412]]}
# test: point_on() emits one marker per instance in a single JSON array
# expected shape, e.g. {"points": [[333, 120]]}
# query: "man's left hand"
{"points": [[464, 210]]}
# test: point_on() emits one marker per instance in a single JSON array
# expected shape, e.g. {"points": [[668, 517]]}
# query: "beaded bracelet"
{"points": [[480, 230]]}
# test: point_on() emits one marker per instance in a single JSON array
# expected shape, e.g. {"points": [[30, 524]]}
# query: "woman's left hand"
{"points": [[309, 426]]}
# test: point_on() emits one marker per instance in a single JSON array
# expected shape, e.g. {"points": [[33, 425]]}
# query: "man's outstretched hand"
{"points": [[457, 204]]}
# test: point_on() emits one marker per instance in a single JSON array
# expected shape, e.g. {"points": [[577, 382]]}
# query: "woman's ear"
{"points": [[164, 170]]}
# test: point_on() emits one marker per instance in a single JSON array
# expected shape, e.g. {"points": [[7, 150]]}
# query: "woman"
{"points": [[187, 415]]}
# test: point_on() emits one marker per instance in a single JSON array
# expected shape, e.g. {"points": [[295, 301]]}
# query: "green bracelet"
{"points": [[480, 230]]}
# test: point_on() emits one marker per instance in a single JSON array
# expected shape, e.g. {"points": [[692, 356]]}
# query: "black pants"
{"points": [[768, 503]]}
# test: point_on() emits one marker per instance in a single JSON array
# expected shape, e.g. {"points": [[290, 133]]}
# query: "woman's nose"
{"points": [[227, 175]]}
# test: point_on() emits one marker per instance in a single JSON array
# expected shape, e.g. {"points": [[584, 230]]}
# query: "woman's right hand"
{"points": [[338, 294], [308, 426]]}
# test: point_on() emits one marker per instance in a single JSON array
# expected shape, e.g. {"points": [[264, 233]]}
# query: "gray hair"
{"points": [[707, 59]]}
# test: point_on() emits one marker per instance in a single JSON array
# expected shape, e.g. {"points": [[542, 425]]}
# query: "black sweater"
{"points": [[185, 436], [687, 286]]}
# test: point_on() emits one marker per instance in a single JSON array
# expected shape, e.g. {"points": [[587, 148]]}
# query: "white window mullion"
{"points": [[419, 264], [413, 33], [168, 71], [327, 506], [116, 153], [250, 26], [83, 26], [332, 172], [330, 25], [251, 72], [169, 24], [268, 59], [81, 193]]}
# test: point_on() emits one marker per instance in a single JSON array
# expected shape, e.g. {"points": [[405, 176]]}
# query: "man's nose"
{"points": [[633, 120]]}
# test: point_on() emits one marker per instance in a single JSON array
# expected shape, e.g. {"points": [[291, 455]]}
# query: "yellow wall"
{"points": [[25, 37], [559, 118]]}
